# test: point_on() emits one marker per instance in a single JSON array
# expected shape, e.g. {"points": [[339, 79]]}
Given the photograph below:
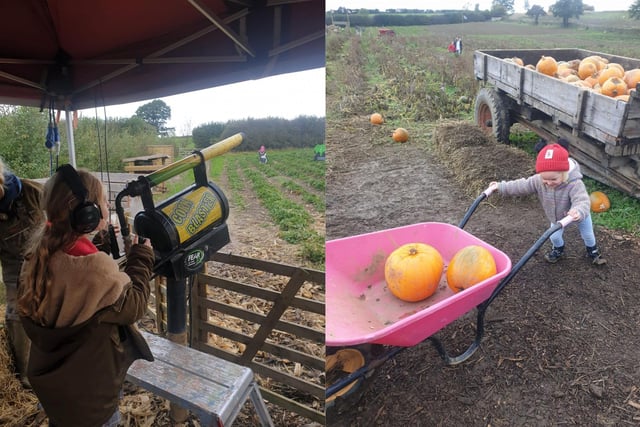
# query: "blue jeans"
{"points": [[586, 232]]}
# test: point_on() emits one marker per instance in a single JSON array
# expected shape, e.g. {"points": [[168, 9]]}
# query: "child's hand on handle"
{"points": [[493, 186], [566, 220], [574, 214]]}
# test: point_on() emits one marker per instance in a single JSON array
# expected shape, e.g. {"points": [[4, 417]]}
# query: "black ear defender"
{"points": [[87, 215]]}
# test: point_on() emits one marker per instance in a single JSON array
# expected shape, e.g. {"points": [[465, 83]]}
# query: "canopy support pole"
{"points": [[71, 142]]}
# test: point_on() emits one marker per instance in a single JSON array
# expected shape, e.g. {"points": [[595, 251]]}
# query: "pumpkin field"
{"points": [[560, 341]]}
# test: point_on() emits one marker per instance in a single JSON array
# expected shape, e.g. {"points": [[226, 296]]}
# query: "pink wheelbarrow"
{"points": [[366, 325]]}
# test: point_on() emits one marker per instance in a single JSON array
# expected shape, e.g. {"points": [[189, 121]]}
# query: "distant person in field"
{"points": [[452, 47], [558, 184], [458, 45], [262, 154]]}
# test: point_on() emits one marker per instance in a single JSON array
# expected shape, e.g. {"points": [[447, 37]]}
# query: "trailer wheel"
{"points": [[491, 114]]}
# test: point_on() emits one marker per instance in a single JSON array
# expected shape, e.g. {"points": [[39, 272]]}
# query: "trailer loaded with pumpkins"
{"points": [[586, 97]]}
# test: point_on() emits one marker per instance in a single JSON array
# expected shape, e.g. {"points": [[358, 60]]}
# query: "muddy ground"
{"points": [[561, 341]]}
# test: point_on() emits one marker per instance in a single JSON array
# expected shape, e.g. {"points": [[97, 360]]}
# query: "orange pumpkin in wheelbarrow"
{"points": [[470, 266], [413, 271]]}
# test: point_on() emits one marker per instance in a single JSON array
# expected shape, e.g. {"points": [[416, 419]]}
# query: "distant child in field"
{"points": [[558, 184], [262, 154]]}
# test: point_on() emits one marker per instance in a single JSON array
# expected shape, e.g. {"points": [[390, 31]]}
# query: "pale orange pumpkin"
{"points": [[591, 81], [607, 72], [574, 64], [587, 69], [413, 271], [400, 135], [566, 72], [376, 119], [470, 266], [613, 87], [547, 65], [615, 64], [632, 78], [599, 202], [518, 61], [598, 61], [580, 83]]}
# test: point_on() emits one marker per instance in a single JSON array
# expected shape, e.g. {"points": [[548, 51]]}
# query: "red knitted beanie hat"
{"points": [[552, 158]]}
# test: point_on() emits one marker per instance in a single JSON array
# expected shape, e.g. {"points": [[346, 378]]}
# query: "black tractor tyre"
{"points": [[491, 114]]}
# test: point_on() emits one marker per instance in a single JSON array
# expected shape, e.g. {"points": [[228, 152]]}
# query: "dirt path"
{"points": [[252, 231], [560, 345], [254, 235]]}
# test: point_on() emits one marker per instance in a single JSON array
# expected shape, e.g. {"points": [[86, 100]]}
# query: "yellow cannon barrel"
{"points": [[193, 160]]}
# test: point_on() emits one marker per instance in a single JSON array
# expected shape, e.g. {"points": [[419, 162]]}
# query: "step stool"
{"points": [[213, 389]]}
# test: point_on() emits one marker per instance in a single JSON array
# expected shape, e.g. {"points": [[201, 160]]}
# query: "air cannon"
{"points": [[187, 228]]}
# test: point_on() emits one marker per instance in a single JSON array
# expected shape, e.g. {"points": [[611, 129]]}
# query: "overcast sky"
{"points": [[286, 96], [599, 5]]}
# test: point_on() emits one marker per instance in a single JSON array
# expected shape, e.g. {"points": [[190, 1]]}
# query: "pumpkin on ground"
{"points": [[376, 119], [470, 266], [341, 363], [400, 135], [599, 202], [413, 271]]}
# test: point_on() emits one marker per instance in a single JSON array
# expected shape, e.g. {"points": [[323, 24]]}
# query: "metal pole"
{"points": [[72, 146], [177, 328]]}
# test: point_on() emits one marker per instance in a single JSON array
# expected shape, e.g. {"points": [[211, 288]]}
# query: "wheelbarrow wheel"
{"points": [[340, 362]]}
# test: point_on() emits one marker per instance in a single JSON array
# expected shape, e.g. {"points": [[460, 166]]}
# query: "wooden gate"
{"points": [[264, 315]]}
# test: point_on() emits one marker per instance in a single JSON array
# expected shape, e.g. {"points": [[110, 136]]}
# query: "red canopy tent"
{"points": [[82, 54]]}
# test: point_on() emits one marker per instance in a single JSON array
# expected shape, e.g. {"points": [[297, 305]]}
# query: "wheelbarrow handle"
{"points": [[485, 194], [484, 305], [514, 270]]}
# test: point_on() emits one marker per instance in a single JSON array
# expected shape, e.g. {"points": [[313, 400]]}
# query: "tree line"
{"points": [[563, 9], [101, 144], [272, 132]]}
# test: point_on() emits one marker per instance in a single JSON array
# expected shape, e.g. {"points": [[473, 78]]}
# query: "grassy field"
{"points": [[290, 187], [414, 82]]}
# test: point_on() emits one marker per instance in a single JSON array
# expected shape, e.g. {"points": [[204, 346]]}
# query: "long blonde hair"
{"points": [[58, 201]]}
